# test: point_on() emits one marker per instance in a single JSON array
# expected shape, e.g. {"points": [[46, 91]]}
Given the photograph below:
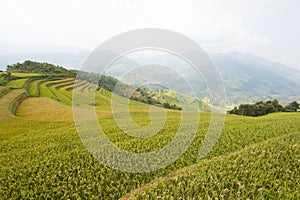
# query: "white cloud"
{"points": [[87, 23], [249, 26]]}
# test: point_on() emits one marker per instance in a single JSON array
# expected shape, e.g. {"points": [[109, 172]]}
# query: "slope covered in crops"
{"points": [[266, 170], [42, 156]]}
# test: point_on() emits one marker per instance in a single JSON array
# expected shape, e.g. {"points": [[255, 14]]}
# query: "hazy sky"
{"points": [[268, 28]]}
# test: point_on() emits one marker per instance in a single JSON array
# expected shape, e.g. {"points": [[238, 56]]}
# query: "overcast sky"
{"points": [[268, 28]]}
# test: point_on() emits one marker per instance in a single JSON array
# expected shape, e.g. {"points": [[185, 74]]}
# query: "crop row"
{"points": [[50, 160], [57, 89], [46, 159], [267, 170]]}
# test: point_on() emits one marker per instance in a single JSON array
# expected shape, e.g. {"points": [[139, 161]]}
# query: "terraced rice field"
{"points": [[17, 84], [43, 157]]}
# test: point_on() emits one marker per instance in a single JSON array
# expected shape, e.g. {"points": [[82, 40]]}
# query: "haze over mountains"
{"points": [[247, 77]]}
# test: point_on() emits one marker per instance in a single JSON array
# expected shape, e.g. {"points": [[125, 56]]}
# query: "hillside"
{"points": [[248, 78], [155, 96], [238, 175], [43, 157], [40, 68]]}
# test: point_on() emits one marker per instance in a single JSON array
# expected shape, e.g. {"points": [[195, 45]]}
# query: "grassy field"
{"points": [[266, 170], [42, 155], [25, 74], [32, 89], [17, 84]]}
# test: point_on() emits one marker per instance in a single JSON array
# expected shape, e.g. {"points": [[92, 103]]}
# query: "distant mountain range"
{"points": [[247, 77]]}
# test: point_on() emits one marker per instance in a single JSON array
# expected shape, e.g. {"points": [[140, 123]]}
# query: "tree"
{"points": [[166, 105], [262, 108], [292, 107], [42, 68]]}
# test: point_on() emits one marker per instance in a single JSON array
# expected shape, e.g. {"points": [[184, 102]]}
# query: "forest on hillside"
{"points": [[262, 108], [29, 66]]}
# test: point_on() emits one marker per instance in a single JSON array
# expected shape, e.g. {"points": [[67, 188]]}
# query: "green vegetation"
{"points": [[266, 170], [157, 96], [43, 157], [5, 78], [32, 88], [263, 108], [17, 84], [39, 68], [35, 71], [26, 74]]}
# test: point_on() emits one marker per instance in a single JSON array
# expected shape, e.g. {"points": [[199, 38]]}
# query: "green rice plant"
{"points": [[71, 83], [42, 155], [77, 85], [32, 88], [44, 91], [25, 74], [60, 81], [60, 96], [17, 84], [266, 170]]}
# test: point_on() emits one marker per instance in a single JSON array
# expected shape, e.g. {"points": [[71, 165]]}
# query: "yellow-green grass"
{"points": [[77, 85], [6, 100], [45, 92], [58, 90], [44, 112], [60, 81], [65, 85], [17, 84], [266, 170], [25, 74], [64, 96], [42, 155], [32, 89], [84, 87], [61, 96]]}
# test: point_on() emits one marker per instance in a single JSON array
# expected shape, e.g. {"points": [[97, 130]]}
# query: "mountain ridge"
{"points": [[247, 78]]}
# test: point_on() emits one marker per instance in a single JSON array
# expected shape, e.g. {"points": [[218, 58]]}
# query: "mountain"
{"points": [[247, 78], [250, 78]]}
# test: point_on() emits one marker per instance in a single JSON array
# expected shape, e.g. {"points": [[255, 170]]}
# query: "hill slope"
{"points": [[43, 157], [247, 78], [260, 171]]}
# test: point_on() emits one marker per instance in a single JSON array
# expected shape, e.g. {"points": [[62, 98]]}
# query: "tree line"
{"points": [[29, 66], [262, 108]]}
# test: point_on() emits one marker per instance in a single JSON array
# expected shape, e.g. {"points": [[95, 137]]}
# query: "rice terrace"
{"points": [[42, 156]]}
